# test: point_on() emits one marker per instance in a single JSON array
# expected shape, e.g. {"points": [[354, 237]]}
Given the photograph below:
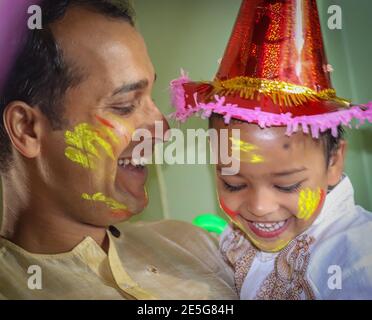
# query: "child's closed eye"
{"points": [[290, 189], [233, 188]]}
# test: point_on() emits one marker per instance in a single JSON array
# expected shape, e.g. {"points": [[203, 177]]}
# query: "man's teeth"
{"points": [[134, 162], [269, 227]]}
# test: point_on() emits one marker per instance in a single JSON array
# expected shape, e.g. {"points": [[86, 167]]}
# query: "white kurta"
{"points": [[332, 259]]}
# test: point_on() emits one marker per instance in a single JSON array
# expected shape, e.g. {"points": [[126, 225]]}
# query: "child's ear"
{"points": [[336, 164]]}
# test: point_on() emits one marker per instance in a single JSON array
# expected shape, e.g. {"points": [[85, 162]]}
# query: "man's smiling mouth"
{"points": [[132, 175], [130, 162]]}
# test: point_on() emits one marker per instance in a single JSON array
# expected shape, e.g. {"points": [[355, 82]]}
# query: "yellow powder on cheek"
{"points": [[87, 161], [308, 202], [111, 134], [123, 129], [100, 197], [82, 145]]}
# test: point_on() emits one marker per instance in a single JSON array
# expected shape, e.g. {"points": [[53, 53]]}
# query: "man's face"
{"points": [[80, 164], [280, 188]]}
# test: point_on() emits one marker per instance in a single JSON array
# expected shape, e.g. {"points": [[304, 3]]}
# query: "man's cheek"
{"points": [[121, 128], [86, 144]]}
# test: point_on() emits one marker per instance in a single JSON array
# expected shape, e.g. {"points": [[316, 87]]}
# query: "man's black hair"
{"points": [[40, 75], [330, 143]]}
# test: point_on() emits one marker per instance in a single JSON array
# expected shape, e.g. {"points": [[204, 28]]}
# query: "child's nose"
{"points": [[261, 203]]}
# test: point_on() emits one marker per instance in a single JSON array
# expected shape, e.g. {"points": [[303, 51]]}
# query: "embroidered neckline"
{"points": [[287, 281]]}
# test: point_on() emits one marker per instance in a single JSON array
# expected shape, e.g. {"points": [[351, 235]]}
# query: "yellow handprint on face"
{"points": [[247, 150], [100, 197], [308, 202], [82, 145]]}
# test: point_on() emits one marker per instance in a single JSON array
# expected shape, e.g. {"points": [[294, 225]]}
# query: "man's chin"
{"points": [[120, 215]]}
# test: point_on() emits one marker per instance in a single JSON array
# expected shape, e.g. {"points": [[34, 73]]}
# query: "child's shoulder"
{"points": [[352, 232], [341, 262]]}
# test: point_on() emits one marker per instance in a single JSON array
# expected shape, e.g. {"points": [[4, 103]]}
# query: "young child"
{"points": [[296, 232]]}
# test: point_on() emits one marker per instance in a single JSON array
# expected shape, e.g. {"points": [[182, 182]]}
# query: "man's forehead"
{"points": [[105, 48], [85, 32]]}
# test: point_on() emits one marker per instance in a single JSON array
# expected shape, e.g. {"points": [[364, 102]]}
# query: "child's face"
{"points": [[281, 186]]}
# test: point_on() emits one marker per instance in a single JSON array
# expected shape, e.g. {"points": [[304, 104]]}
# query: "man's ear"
{"points": [[23, 125], [336, 164]]}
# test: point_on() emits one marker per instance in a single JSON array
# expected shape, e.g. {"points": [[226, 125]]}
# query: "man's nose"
{"points": [[261, 203], [157, 123]]}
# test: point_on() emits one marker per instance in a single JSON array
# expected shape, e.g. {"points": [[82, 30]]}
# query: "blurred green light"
{"points": [[210, 222]]}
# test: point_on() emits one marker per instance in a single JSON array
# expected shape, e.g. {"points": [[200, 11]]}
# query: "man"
{"points": [[78, 90]]}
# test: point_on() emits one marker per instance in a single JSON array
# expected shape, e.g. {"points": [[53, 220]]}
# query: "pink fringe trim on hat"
{"points": [[314, 123]]}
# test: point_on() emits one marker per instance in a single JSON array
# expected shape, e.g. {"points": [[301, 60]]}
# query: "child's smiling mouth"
{"points": [[267, 229]]}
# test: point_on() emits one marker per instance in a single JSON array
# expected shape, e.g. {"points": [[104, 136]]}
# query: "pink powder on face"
{"points": [[321, 200], [228, 211], [104, 122]]}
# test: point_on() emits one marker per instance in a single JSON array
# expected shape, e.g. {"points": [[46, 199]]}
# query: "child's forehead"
{"points": [[254, 131], [272, 139]]}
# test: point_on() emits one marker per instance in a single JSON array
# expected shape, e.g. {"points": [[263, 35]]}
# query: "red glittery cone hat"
{"points": [[274, 73]]}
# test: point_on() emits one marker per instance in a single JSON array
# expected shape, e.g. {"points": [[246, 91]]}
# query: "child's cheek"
{"points": [[231, 213], [309, 202]]}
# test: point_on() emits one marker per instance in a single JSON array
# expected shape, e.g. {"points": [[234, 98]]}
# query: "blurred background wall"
{"points": [[192, 35]]}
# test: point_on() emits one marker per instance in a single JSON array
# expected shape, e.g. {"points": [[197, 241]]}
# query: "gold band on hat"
{"points": [[282, 93]]}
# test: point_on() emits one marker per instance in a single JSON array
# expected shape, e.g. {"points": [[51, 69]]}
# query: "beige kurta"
{"points": [[157, 260]]}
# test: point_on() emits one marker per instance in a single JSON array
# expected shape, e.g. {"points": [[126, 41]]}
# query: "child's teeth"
{"points": [[269, 227]]}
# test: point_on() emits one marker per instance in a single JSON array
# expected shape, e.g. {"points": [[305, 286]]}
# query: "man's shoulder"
{"points": [[174, 230], [176, 241], [181, 251]]}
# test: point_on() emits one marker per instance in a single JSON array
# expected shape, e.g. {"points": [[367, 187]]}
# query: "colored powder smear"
{"points": [[104, 122], [248, 151], [100, 197], [82, 145], [146, 193], [228, 211], [308, 202], [111, 134], [121, 127], [280, 245]]}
